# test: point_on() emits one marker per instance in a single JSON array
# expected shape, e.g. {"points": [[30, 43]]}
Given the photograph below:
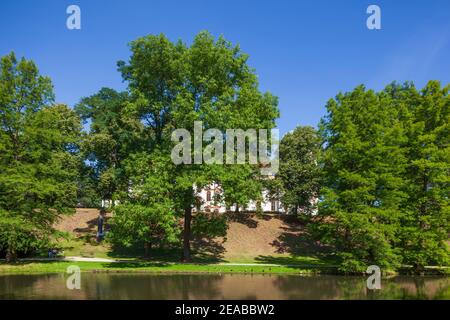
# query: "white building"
{"points": [[207, 202], [207, 199]]}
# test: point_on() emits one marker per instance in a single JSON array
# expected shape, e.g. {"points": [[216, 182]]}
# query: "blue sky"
{"points": [[304, 52]]}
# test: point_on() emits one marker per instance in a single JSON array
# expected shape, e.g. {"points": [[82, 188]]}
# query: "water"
{"points": [[219, 286]]}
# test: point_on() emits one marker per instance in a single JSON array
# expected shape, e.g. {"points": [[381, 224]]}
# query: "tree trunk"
{"points": [[11, 255], [187, 234], [418, 268], [147, 248]]}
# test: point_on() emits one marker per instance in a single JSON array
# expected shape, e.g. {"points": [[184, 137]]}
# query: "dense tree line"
{"points": [[386, 176], [373, 181], [39, 159]]}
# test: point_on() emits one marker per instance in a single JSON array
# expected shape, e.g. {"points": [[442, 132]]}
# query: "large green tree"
{"points": [[172, 85], [113, 135], [363, 178], [385, 195], [426, 221], [38, 157]]}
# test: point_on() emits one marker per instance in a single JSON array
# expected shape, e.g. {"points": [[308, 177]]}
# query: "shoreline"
{"points": [[42, 267], [47, 266]]}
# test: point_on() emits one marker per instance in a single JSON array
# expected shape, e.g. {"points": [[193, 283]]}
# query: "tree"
{"points": [[299, 170], [240, 185], [363, 178], [425, 225], [173, 85], [113, 135], [88, 195], [38, 161], [386, 165], [147, 217]]}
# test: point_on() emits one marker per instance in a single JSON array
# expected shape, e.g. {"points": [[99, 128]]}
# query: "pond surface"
{"points": [[219, 286]]}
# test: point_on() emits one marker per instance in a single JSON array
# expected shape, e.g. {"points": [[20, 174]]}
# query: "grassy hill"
{"points": [[250, 238]]}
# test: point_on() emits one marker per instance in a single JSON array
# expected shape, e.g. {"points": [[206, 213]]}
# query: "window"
{"points": [[274, 205], [208, 195]]}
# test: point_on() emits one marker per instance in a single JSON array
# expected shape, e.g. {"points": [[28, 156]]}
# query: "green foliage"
{"points": [[385, 165], [87, 187], [140, 224], [147, 215], [240, 185], [18, 235], [209, 225], [38, 159], [171, 85], [113, 135], [426, 219], [299, 170]]}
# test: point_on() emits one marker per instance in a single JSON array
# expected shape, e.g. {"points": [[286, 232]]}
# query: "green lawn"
{"points": [[39, 267], [157, 267], [90, 249], [83, 247]]}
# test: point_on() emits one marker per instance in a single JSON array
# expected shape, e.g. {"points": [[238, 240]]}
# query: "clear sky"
{"points": [[304, 52]]}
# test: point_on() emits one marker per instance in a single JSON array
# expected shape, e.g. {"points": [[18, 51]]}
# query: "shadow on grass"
{"points": [[210, 253], [24, 263], [296, 240], [207, 250], [300, 261], [298, 247], [243, 218], [60, 266], [91, 228], [203, 251], [135, 264]]}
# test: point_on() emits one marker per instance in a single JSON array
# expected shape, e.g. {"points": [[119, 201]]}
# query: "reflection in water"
{"points": [[220, 286]]}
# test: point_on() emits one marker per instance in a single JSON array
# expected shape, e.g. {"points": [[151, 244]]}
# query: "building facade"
{"points": [[207, 202]]}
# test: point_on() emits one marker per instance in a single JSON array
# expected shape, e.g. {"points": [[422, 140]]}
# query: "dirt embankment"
{"points": [[82, 223], [248, 237]]}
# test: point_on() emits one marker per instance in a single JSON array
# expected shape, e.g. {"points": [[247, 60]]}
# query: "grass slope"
{"points": [[250, 239]]}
